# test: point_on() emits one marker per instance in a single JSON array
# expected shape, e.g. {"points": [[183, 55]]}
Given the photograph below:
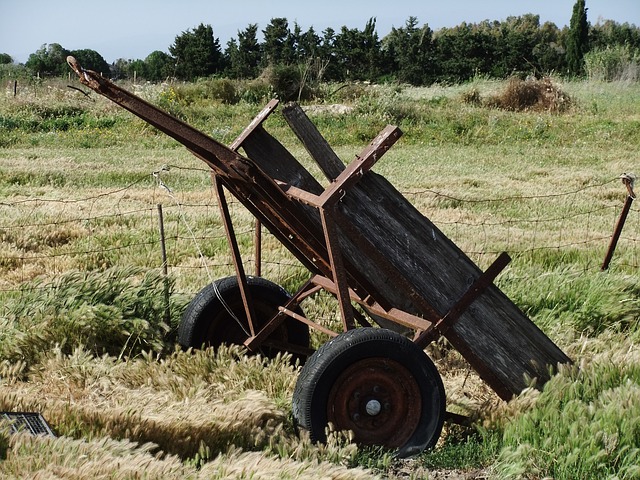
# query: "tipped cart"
{"points": [[363, 242]]}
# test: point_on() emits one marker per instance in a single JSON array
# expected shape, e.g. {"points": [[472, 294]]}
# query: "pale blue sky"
{"points": [[132, 29]]}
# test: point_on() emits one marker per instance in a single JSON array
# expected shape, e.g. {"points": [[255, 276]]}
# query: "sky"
{"points": [[132, 29]]}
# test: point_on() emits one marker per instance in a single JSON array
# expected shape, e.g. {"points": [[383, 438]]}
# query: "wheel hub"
{"points": [[378, 399]]}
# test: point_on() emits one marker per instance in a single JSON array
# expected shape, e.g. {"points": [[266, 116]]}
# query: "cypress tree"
{"points": [[577, 39]]}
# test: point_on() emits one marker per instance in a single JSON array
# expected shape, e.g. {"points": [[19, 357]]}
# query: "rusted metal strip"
{"points": [[301, 195], [311, 323], [254, 342], [398, 316], [235, 256], [235, 145], [361, 165], [482, 282], [337, 266], [255, 123]]}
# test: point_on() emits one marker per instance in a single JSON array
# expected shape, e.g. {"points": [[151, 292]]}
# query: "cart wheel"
{"points": [[207, 321], [376, 383]]}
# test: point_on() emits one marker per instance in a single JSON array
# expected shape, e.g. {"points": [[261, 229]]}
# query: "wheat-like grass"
{"points": [[79, 222]]}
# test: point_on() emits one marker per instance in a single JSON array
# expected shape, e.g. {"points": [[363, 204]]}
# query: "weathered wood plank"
{"points": [[498, 340], [314, 142]]}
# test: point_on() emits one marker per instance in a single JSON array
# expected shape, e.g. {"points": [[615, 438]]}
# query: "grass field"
{"points": [[88, 321]]}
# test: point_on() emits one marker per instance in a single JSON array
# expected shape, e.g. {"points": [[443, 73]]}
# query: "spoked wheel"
{"points": [[376, 383], [216, 316]]}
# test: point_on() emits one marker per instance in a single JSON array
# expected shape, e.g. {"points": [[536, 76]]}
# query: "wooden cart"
{"points": [[363, 242]]}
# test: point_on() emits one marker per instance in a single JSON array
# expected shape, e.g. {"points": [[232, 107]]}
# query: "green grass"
{"points": [[84, 336]]}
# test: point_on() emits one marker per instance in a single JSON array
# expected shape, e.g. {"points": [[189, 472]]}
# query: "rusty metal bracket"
{"points": [[254, 341], [235, 255], [337, 266], [475, 290], [255, 123], [235, 145]]}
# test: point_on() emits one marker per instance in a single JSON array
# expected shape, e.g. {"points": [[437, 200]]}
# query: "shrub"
{"points": [[531, 94], [222, 89], [288, 82], [613, 64]]}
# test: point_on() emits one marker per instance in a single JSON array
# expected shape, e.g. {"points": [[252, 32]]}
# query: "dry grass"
{"points": [[151, 415], [85, 200], [526, 95]]}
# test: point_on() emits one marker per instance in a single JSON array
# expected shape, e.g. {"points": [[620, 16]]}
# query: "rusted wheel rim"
{"points": [[378, 399]]}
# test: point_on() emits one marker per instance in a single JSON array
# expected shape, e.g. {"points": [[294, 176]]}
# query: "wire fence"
{"points": [[120, 227]]}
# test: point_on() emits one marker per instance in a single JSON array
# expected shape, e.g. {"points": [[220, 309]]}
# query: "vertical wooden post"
{"points": [[15, 88]]}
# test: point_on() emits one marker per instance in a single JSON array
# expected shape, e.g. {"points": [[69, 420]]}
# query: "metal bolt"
{"points": [[373, 407]]}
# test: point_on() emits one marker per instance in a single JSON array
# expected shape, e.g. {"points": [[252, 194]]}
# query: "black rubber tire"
{"points": [[206, 321], [345, 361]]}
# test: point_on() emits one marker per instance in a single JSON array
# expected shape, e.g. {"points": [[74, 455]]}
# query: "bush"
{"points": [[222, 89], [288, 82], [613, 64], [531, 94]]}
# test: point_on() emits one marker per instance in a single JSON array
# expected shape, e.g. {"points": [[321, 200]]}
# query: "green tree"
{"points": [[197, 53], [466, 50], [332, 71], [278, 45], [549, 53], [136, 69], [308, 44], [610, 33], [92, 60], [359, 52], [48, 60], [518, 36], [410, 52], [158, 66], [577, 39], [244, 55], [5, 59]]}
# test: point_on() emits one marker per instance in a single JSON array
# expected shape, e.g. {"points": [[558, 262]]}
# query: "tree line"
{"points": [[413, 53]]}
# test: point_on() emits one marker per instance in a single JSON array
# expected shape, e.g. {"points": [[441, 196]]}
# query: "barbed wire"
{"points": [[185, 230]]}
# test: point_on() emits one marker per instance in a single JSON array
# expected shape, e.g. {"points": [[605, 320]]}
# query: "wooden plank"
{"points": [[497, 339], [476, 289], [314, 142]]}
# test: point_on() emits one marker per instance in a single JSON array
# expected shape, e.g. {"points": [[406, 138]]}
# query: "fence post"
{"points": [[628, 180], [165, 272]]}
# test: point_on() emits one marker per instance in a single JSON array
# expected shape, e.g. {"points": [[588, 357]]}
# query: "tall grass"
{"points": [[85, 338], [585, 424]]}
